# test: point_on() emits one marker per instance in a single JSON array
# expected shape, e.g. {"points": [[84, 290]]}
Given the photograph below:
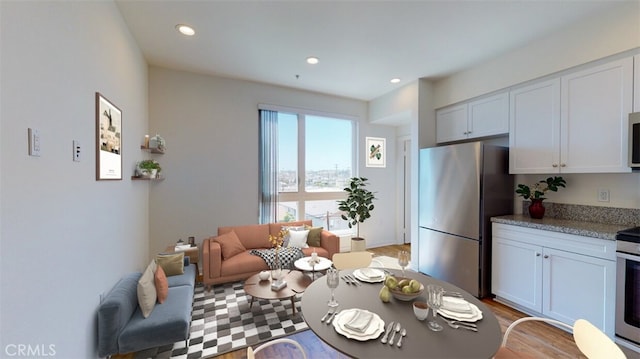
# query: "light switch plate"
{"points": [[34, 142]]}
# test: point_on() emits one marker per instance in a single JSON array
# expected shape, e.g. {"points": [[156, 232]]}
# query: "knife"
{"points": [[386, 333]]}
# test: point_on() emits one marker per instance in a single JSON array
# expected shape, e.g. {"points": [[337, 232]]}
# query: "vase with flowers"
{"points": [[536, 193], [277, 241]]}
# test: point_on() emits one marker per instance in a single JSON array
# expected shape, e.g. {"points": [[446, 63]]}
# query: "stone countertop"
{"points": [[580, 228]]}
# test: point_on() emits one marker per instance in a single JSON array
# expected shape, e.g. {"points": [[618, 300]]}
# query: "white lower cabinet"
{"points": [[560, 276]]}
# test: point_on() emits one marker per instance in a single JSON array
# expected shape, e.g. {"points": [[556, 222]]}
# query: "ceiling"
{"points": [[361, 45]]}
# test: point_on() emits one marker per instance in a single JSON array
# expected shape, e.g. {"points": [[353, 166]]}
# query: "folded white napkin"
{"points": [[371, 273], [360, 321], [454, 304]]}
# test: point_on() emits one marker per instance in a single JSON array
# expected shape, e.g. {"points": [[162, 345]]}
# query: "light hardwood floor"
{"points": [[537, 339]]}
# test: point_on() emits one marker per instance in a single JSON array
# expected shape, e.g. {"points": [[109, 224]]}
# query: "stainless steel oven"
{"points": [[628, 288]]}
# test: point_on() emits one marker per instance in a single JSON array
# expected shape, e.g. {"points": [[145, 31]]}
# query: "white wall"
{"points": [[606, 34], [211, 164], [65, 237]]}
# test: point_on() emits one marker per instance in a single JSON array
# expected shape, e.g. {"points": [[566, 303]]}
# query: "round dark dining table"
{"points": [[420, 341]]}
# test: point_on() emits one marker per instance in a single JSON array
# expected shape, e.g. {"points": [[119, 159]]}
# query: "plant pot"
{"points": [[536, 209], [358, 244]]}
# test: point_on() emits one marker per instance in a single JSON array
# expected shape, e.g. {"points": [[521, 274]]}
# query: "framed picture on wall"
{"points": [[375, 152], [108, 140]]}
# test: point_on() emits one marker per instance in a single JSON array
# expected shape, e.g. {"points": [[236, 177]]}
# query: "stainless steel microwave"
{"points": [[634, 140]]}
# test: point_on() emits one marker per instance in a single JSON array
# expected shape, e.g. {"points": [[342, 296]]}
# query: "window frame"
{"points": [[302, 196]]}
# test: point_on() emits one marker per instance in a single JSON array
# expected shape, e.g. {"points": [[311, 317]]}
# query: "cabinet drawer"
{"points": [[594, 247]]}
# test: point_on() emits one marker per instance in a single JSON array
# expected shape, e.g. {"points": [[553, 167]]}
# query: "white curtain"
{"points": [[268, 166]]}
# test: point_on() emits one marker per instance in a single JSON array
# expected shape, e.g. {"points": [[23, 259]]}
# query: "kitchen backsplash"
{"points": [[577, 212]]}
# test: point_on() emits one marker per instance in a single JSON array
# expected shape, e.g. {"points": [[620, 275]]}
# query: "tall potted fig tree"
{"points": [[357, 206]]}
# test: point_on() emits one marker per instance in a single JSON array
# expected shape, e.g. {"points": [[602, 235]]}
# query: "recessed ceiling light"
{"points": [[185, 29], [312, 60], [395, 80]]}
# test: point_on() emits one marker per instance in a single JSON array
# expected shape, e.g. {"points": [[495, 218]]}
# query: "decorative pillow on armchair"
{"points": [[230, 244]]}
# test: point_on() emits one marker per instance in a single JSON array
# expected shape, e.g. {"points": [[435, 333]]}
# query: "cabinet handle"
{"points": [[546, 256], [563, 165], [537, 254], [554, 165]]}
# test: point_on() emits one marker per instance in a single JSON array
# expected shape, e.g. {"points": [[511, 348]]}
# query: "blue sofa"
{"points": [[122, 328]]}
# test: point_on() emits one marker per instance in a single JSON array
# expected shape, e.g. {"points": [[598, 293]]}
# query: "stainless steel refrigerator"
{"points": [[461, 187]]}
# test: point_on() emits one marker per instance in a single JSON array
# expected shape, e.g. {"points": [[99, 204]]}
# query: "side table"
{"points": [[304, 264], [193, 253]]}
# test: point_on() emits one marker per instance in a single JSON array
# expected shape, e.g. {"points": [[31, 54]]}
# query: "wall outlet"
{"points": [[76, 151], [603, 195]]}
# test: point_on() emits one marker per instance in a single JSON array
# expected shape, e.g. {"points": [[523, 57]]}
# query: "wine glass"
{"points": [[403, 260], [434, 293], [333, 279]]}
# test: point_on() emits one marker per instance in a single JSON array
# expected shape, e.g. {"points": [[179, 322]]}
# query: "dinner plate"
{"points": [[474, 316], [375, 328], [359, 275]]}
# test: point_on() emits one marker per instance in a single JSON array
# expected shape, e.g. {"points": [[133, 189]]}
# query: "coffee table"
{"points": [[304, 265], [297, 282]]}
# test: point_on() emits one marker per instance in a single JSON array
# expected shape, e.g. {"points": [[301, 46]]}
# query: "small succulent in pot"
{"points": [[147, 167], [538, 189]]}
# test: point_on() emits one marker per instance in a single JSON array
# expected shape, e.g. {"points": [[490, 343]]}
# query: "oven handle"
{"points": [[628, 256]]}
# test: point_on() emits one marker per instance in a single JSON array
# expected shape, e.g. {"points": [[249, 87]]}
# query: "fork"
{"points": [[354, 280], [346, 279], [456, 324], [335, 314], [330, 312]]}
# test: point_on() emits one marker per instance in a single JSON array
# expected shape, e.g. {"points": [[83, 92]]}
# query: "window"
{"points": [[314, 159]]}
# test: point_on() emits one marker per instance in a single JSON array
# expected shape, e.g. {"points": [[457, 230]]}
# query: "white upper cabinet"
{"points": [[483, 117], [489, 116], [534, 139], [591, 133], [636, 84], [451, 123], [595, 109]]}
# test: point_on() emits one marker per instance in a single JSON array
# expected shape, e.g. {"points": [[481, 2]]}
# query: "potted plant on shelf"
{"points": [[148, 168], [536, 193], [357, 207]]}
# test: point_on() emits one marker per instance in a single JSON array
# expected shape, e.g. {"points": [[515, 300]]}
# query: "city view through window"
{"points": [[315, 156]]}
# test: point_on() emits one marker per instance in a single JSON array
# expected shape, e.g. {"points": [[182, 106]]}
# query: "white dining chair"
{"points": [[251, 352], [351, 260], [590, 340]]}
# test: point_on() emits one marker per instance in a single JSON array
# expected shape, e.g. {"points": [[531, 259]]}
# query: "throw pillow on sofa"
{"points": [[287, 236], [147, 290], [298, 239], [313, 239], [162, 285], [172, 264], [230, 244]]}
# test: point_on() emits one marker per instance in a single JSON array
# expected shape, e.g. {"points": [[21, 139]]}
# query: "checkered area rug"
{"points": [[222, 322]]}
